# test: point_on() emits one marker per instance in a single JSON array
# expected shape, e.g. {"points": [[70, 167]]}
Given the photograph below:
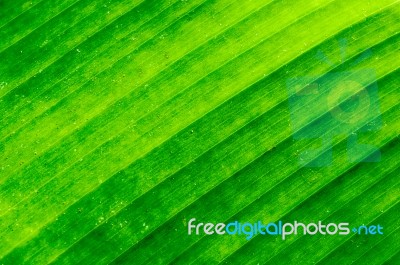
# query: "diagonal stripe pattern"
{"points": [[121, 120]]}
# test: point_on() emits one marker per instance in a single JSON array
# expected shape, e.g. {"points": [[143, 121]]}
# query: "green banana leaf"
{"points": [[121, 121]]}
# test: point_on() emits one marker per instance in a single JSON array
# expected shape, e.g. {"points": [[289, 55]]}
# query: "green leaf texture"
{"points": [[122, 120]]}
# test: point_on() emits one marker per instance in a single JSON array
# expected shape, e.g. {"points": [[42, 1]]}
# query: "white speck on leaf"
{"points": [[2, 85]]}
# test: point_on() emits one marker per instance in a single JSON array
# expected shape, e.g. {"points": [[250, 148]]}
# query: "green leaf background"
{"points": [[121, 120]]}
